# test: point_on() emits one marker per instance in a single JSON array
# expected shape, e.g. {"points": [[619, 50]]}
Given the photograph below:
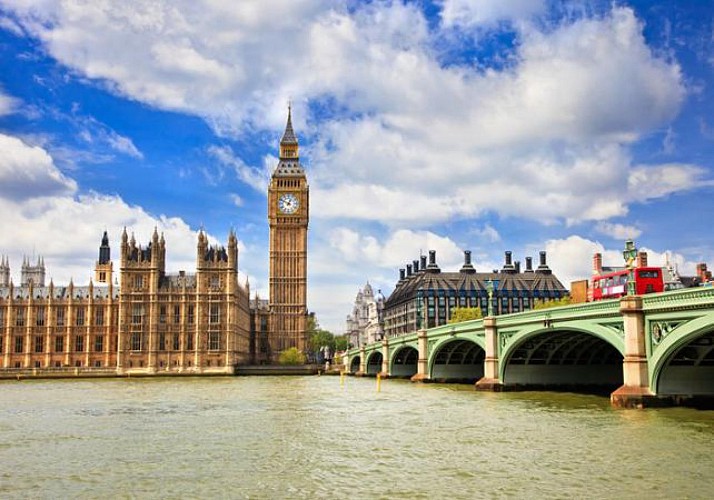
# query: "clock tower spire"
{"points": [[288, 216], [289, 143]]}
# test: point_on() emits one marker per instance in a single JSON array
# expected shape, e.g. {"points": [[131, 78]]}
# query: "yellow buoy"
{"points": [[379, 382]]}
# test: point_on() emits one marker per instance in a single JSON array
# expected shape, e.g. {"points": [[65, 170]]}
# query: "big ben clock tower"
{"points": [[288, 215]]}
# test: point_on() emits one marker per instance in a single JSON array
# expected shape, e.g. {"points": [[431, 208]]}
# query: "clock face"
{"points": [[288, 203]]}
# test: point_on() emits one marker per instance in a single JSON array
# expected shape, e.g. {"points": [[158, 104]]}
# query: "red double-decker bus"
{"points": [[614, 285]]}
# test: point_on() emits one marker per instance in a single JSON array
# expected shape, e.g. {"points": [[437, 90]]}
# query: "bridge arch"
{"points": [[354, 364], [457, 360], [683, 364], [404, 362], [374, 363], [570, 356]]}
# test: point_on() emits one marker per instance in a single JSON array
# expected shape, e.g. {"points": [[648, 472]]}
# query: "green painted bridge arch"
{"points": [[649, 350], [576, 354], [681, 351], [456, 352], [404, 361]]}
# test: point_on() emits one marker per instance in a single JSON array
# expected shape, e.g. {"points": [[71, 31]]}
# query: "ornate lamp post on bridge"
{"points": [[630, 256]]}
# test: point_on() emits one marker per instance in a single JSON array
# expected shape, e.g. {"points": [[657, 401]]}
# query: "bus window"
{"points": [[649, 274]]}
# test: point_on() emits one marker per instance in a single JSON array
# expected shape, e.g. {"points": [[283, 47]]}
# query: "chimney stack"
{"points": [[543, 267], [597, 263], [409, 270], [415, 266], [508, 266], [702, 272], [467, 267], [432, 267], [641, 259], [529, 264]]}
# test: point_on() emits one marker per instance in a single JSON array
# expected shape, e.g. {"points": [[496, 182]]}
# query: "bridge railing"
{"points": [[688, 298]]}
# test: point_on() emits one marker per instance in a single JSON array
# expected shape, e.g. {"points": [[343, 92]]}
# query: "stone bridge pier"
{"points": [[635, 391], [384, 373], [422, 374], [490, 380]]}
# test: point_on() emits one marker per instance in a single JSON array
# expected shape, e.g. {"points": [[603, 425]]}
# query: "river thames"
{"points": [[312, 437]]}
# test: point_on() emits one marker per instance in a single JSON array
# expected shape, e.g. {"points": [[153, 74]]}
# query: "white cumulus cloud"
{"points": [[28, 171]]}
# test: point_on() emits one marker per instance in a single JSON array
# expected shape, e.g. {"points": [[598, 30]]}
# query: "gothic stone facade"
{"points": [[155, 323], [288, 216], [366, 323], [168, 323]]}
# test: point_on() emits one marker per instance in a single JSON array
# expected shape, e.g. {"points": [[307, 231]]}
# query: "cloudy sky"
{"points": [[487, 125]]}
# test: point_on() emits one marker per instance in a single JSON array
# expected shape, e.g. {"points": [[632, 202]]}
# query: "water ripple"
{"points": [[310, 437]]}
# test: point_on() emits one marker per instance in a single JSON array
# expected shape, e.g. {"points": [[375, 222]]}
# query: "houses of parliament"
{"points": [[148, 321]]}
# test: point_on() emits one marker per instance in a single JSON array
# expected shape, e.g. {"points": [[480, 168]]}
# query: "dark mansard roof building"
{"points": [[425, 297]]}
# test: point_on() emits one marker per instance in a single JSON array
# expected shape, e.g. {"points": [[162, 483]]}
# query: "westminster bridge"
{"points": [[650, 350]]}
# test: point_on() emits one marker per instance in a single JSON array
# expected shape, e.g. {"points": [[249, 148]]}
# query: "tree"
{"points": [[291, 357], [563, 301], [460, 314], [317, 339], [321, 338], [341, 343]]}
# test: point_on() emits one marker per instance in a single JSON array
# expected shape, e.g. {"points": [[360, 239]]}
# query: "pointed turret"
{"points": [[201, 248], [104, 250], [289, 142], [232, 250], [103, 267], [4, 271]]}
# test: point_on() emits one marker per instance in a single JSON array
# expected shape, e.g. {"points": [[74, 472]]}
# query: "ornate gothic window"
{"points": [[136, 341], [20, 318], [215, 314], [214, 341], [40, 317], [80, 316]]}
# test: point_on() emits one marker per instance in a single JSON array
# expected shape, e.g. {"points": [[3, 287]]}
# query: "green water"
{"points": [[310, 437]]}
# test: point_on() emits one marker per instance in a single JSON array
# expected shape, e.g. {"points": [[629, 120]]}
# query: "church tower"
{"points": [[288, 216]]}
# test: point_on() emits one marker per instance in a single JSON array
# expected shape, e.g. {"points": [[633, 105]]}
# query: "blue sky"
{"points": [[487, 125]]}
